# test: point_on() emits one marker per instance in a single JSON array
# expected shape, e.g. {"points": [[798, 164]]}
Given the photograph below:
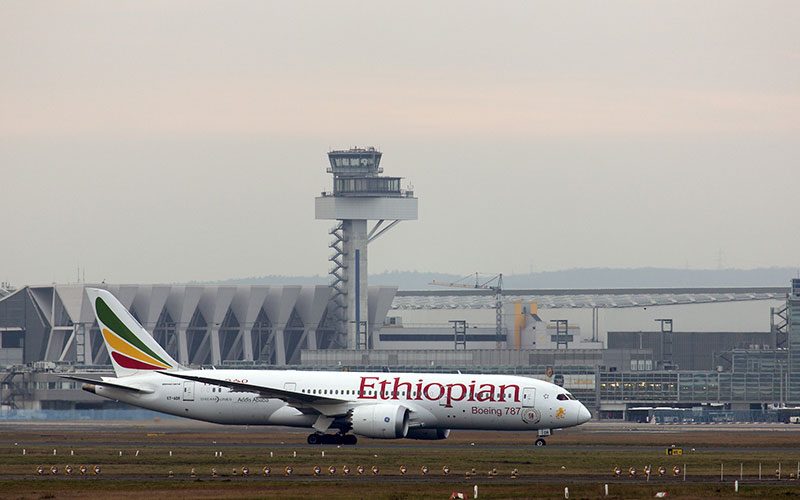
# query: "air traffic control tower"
{"points": [[359, 195]]}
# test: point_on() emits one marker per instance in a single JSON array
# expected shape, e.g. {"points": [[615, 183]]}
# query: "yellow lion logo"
{"points": [[561, 413]]}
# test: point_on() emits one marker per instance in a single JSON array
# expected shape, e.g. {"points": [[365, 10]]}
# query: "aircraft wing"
{"points": [[116, 384], [306, 403]]}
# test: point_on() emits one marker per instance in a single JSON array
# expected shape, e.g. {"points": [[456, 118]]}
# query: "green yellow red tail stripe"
{"points": [[127, 349], [129, 353]]}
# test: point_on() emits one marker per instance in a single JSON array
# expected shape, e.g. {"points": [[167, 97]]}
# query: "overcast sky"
{"points": [[186, 140]]}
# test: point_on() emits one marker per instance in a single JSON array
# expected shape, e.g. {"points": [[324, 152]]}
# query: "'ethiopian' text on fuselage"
{"points": [[394, 389]]}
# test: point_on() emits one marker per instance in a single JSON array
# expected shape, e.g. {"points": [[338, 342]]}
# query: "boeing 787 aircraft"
{"points": [[337, 406]]}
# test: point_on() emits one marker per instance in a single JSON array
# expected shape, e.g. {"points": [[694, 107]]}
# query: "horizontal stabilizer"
{"points": [[106, 383]]}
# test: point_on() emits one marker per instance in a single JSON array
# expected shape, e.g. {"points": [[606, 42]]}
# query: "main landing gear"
{"points": [[318, 438]]}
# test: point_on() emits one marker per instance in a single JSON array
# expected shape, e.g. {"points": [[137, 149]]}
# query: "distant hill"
{"points": [[646, 277]]}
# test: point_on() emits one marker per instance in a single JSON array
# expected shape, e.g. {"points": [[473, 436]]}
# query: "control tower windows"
{"points": [[366, 185], [353, 162]]}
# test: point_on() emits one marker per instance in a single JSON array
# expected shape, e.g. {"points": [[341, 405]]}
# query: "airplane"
{"points": [[368, 404]]}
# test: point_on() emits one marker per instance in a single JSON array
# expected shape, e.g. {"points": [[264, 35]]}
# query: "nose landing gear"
{"points": [[542, 434]]}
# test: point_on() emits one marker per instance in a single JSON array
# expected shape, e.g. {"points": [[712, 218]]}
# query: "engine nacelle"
{"points": [[381, 421], [429, 434]]}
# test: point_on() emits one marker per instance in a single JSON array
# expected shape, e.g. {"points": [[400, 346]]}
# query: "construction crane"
{"points": [[495, 283]]}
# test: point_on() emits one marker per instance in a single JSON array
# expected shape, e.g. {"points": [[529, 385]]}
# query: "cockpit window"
{"points": [[565, 396]]}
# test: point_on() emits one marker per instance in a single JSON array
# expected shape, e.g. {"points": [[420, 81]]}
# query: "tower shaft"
{"points": [[355, 259]]}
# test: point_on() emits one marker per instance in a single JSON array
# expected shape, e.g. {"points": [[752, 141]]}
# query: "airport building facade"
{"points": [[47, 330], [197, 325]]}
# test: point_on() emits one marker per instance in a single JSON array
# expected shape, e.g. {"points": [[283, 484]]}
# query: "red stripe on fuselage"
{"points": [[133, 364]]}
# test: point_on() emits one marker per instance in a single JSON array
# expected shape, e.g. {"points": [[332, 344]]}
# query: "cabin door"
{"points": [[528, 397], [188, 391]]}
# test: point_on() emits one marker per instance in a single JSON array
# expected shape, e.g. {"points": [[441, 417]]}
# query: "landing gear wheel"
{"points": [[314, 438], [349, 439], [540, 442]]}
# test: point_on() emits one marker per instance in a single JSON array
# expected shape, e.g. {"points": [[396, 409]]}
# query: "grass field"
{"points": [[582, 460]]}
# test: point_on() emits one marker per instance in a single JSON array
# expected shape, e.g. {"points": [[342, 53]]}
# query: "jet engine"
{"points": [[428, 434], [383, 421]]}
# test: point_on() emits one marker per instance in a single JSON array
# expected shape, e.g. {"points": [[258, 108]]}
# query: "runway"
{"points": [[594, 435], [140, 453]]}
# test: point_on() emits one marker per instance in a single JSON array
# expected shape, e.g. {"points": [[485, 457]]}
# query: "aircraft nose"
{"points": [[583, 415]]}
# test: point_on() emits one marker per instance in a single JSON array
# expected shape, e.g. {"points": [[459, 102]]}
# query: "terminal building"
{"points": [[619, 373], [668, 354]]}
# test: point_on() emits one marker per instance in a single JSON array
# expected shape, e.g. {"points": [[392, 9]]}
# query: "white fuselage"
{"points": [[438, 401]]}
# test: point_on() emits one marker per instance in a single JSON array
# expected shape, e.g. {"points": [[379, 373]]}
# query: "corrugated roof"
{"points": [[600, 298]]}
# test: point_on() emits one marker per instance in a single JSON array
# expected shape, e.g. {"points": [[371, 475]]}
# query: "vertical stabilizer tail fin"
{"points": [[131, 348]]}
